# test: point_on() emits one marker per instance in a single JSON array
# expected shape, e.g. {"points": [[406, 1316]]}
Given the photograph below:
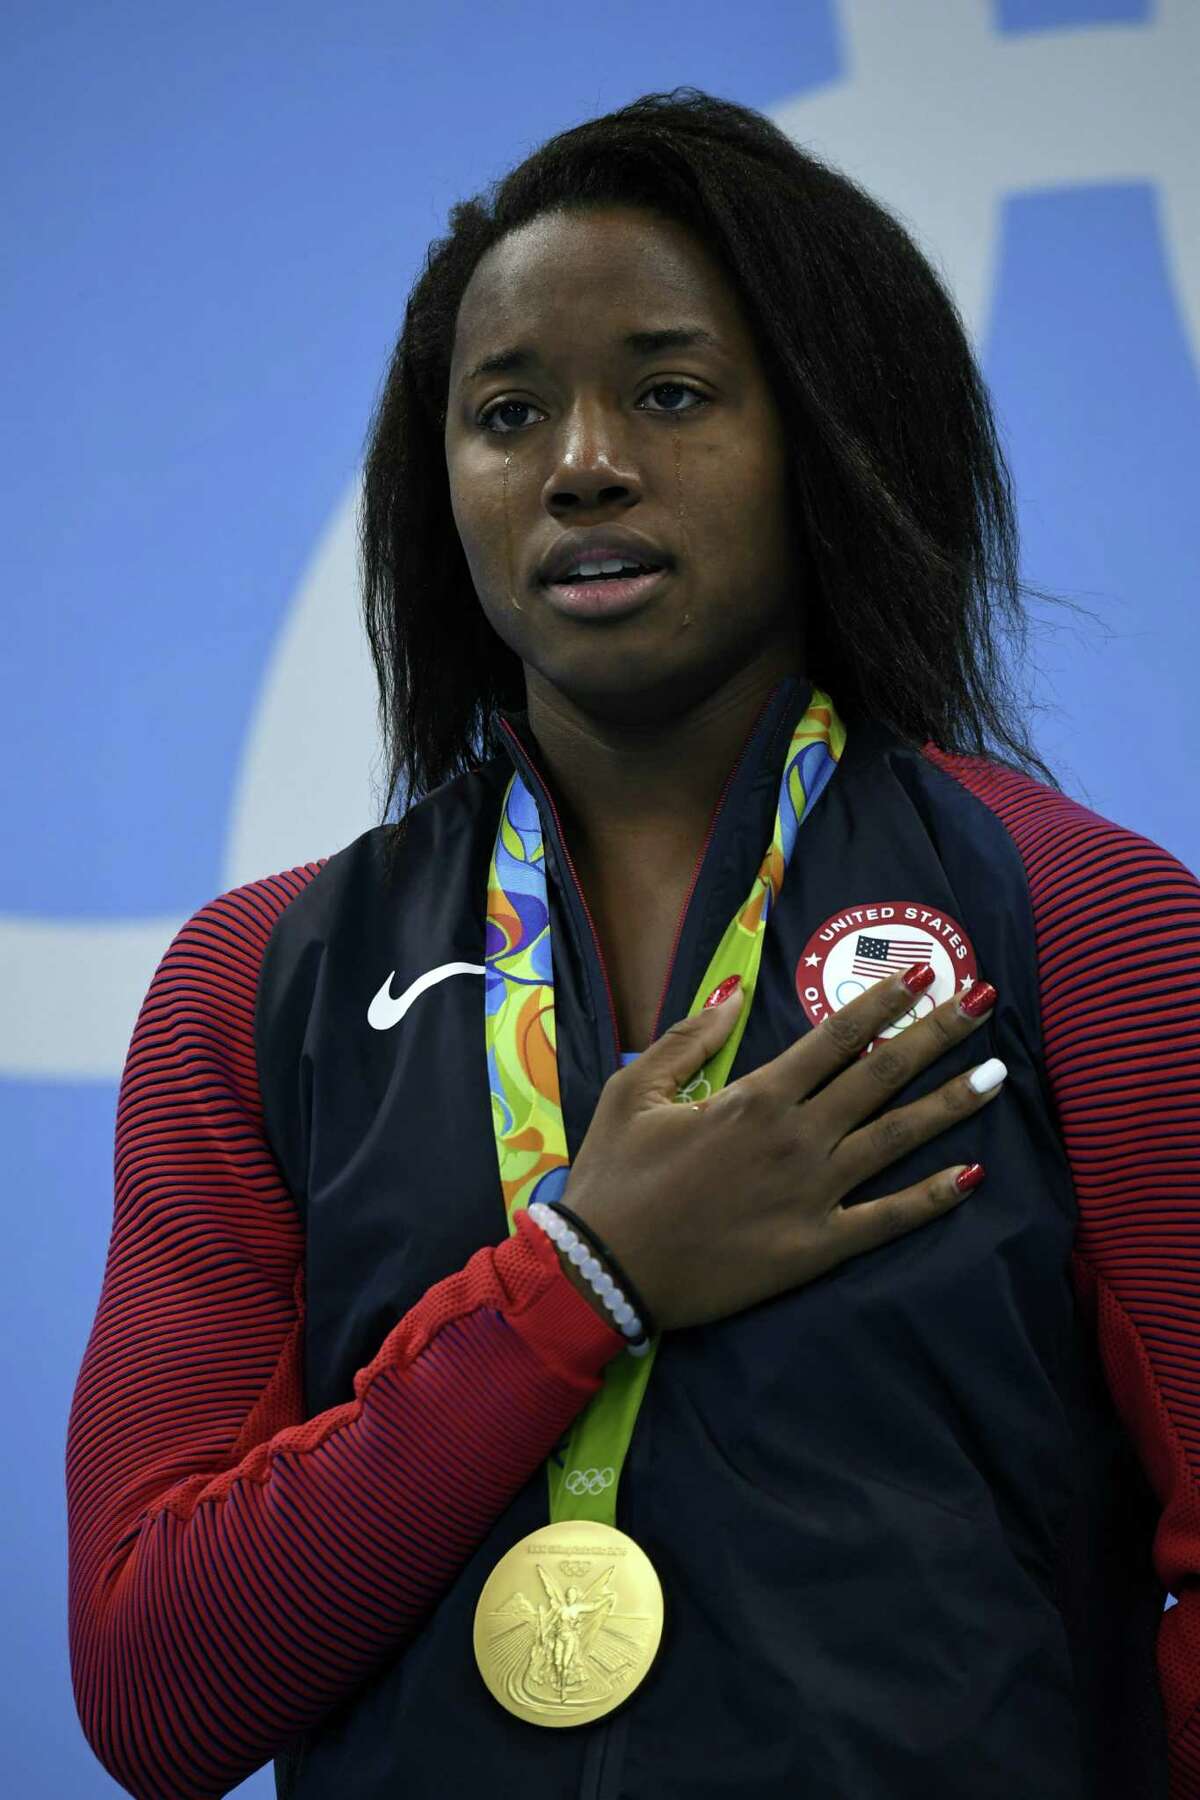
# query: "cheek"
{"points": [[481, 531], [767, 508], [483, 514], [482, 538], [738, 521], [464, 505]]}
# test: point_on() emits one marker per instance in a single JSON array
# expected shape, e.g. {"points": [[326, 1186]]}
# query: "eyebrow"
{"points": [[642, 343]]}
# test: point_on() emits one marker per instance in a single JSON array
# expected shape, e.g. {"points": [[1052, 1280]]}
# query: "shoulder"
{"points": [[1074, 858], [195, 1027], [1117, 925], [216, 951], [243, 917]]}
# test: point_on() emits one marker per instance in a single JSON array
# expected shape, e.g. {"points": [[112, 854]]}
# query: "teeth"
{"points": [[612, 567]]}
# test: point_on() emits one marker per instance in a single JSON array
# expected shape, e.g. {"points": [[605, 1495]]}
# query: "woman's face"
{"points": [[680, 444]]}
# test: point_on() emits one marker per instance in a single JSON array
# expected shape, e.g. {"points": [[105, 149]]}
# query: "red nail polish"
{"points": [[970, 1178], [978, 999], [918, 978], [723, 991]]}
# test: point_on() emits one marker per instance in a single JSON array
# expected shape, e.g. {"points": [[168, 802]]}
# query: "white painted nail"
{"points": [[987, 1075]]}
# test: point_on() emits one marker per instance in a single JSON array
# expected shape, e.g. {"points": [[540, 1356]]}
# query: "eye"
{"points": [[677, 387], [499, 406], [670, 387]]}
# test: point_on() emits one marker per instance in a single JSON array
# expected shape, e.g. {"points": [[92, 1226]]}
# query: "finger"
{"points": [[840, 1037], [861, 1089], [874, 1222], [885, 1140], [674, 1058]]}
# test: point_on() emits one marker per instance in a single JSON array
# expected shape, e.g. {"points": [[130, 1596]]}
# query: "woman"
{"points": [[761, 1454]]}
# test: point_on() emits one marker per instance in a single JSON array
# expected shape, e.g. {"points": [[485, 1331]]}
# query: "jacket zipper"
{"points": [[599, 1770]]}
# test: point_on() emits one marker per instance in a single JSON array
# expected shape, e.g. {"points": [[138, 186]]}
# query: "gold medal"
{"points": [[568, 1623]]}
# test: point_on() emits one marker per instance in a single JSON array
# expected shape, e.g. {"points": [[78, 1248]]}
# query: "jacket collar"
{"points": [[739, 833]]}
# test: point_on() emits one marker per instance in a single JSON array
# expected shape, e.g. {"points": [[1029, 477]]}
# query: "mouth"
{"points": [[601, 596]]}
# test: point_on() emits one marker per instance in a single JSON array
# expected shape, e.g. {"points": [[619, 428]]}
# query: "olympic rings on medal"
{"points": [[589, 1481]]}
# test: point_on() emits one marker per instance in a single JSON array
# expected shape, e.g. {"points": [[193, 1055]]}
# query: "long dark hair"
{"points": [[897, 471]]}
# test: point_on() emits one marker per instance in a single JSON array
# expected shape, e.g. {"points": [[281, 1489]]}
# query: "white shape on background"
{"points": [[942, 120], [304, 785], [938, 116], [72, 990]]}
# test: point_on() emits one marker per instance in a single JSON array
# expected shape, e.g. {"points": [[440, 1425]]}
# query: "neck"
{"points": [[658, 780]]}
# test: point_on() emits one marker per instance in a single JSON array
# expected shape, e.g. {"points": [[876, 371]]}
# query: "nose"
{"points": [[591, 465]]}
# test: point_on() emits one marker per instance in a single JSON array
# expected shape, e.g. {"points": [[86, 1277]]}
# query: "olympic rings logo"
{"points": [[589, 1481]]}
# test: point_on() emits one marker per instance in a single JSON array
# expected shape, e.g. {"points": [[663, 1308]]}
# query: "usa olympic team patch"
{"points": [[860, 945]]}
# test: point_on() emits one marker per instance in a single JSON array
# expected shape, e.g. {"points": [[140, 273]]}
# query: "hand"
{"points": [[712, 1211]]}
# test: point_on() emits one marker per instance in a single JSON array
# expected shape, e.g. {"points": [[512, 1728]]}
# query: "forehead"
{"points": [[582, 278]]}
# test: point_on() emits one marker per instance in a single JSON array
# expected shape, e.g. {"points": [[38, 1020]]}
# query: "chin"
{"points": [[634, 688]]}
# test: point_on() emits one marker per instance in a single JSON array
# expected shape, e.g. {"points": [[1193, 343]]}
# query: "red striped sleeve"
{"points": [[236, 1569], [1118, 946]]}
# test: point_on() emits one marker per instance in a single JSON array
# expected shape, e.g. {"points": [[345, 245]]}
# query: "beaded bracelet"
{"points": [[602, 1251], [578, 1251]]}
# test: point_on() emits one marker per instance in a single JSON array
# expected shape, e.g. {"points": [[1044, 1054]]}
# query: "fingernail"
{"points": [[987, 1075], [979, 998], [918, 978], [723, 990], [970, 1178]]}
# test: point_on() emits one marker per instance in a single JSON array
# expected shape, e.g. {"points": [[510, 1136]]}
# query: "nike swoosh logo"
{"points": [[387, 1010]]}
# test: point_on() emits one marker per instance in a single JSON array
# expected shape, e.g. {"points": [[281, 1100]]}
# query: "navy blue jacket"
{"points": [[915, 1520], [903, 1543]]}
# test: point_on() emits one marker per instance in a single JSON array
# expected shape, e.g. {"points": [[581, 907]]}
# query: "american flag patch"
{"points": [[876, 956]]}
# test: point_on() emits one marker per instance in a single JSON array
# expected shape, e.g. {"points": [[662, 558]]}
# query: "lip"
{"points": [[602, 599], [598, 544]]}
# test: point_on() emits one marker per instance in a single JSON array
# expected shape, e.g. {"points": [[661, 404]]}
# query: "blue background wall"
{"points": [[213, 217]]}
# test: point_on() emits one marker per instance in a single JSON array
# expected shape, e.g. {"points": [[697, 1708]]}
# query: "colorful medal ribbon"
{"points": [[523, 1065]]}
